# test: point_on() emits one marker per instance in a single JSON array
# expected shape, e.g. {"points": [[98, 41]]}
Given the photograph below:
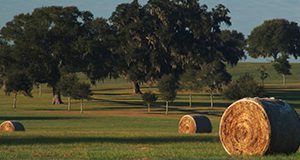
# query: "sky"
{"points": [[245, 14]]}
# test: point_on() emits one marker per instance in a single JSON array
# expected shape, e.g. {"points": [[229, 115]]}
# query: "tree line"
{"points": [[161, 41]]}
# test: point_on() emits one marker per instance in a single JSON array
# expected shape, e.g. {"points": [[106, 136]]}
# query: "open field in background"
{"points": [[274, 78], [116, 125]]}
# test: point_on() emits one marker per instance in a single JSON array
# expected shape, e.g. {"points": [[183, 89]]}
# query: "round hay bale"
{"points": [[259, 126], [194, 124], [11, 126]]}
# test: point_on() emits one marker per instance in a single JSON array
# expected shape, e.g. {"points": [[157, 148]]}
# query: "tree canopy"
{"points": [[142, 42], [52, 41], [274, 37], [165, 37], [244, 86]]}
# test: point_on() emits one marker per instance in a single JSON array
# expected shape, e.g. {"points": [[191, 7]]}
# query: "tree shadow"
{"points": [[111, 89], [5, 118], [50, 109], [202, 104], [114, 108], [124, 140], [118, 102], [111, 94], [289, 95], [188, 111], [138, 105]]}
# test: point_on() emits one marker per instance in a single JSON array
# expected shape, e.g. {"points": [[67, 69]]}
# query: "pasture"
{"points": [[115, 124]]}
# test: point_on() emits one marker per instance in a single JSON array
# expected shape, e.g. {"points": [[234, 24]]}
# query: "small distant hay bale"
{"points": [[194, 124], [260, 126], [11, 126]]}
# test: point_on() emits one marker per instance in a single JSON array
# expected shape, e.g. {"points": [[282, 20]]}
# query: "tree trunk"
{"points": [[190, 97], [211, 100], [81, 106], [4, 87], [69, 103], [56, 96], [149, 105], [136, 88], [283, 80], [167, 107], [15, 100], [263, 83], [40, 89]]}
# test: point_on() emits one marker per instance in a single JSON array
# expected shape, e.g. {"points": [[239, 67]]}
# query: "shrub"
{"points": [[149, 98], [244, 86]]}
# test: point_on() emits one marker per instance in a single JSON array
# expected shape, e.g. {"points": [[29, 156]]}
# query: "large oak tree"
{"points": [[164, 37], [276, 38], [53, 41]]}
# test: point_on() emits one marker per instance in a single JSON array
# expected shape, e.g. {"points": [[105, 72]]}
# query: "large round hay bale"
{"points": [[11, 126], [259, 126], [194, 124]]}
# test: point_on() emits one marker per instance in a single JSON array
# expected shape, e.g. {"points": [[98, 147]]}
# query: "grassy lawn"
{"points": [[115, 124]]}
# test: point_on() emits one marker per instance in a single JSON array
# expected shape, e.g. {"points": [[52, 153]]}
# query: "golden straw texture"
{"points": [[194, 124], [259, 126], [11, 126]]}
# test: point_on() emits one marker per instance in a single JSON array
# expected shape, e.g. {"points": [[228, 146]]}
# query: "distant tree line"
{"points": [[176, 43]]}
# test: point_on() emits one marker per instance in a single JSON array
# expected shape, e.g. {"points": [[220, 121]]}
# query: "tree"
{"points": [[274, 38], [282, 66], [81, 91], [263, 74], [165, 37], [49, 40], [66, 86], [188, 81], [18, 82], [213, 77], [6, 62], [149, 98], [127, 20], [244, 86], [168, 85], [98, 45]]}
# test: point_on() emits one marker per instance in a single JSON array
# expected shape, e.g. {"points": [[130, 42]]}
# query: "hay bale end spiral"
{"points": [[11, 126], [259, 126], [194, 124]]}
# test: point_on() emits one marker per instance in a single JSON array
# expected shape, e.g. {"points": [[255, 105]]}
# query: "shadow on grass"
{"points": [[111, 94], [111, 89], [124, 140], [195, 104], [119, 102], [51, 109], [38, 118], [289, 95], [188, 111], [115, 108]]}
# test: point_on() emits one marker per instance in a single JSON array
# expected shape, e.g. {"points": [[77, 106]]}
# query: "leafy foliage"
{"points": [[67, 84], [263, 74], [19, 82], [244, 86], [213, 77], [188, 80], [81, 91], [282, 65], [165, 37], [274, 37], [149, 98], [53, 41], [168, 86]]}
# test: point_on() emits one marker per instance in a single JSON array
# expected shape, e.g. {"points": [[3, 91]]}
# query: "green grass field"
{"points": [[116, 125]]}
